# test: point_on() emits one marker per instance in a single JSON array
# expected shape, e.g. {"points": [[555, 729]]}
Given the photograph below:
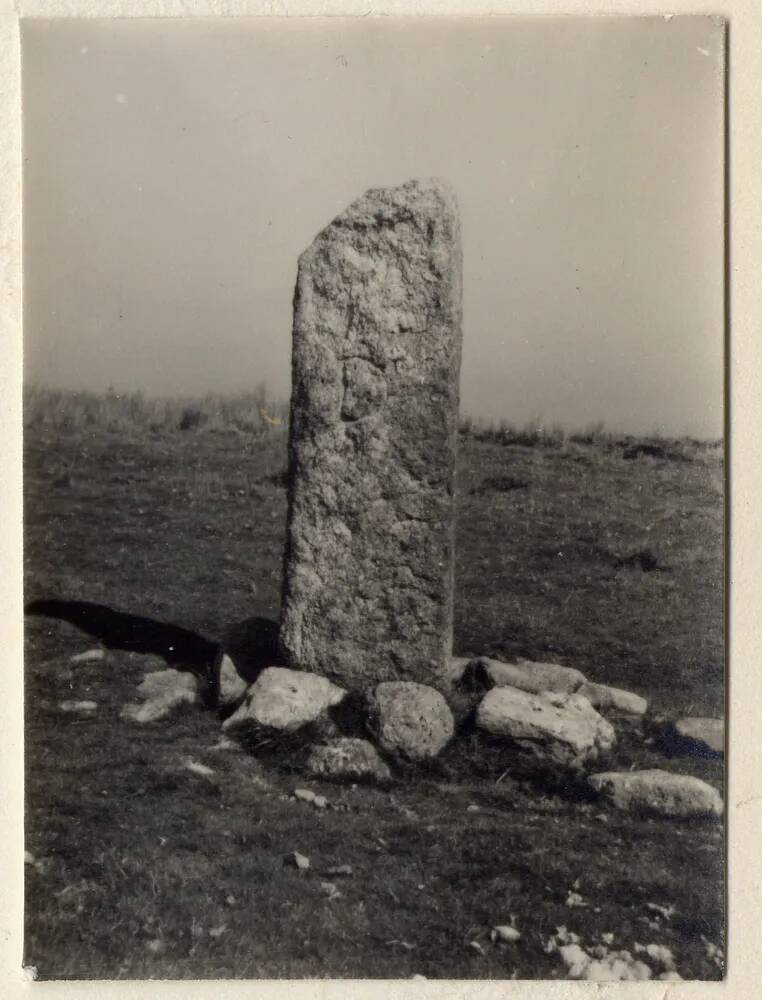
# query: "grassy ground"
{"points": [[566, 551]]}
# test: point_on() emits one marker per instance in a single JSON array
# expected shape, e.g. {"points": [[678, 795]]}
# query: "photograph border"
{"points": [[743, 298]]}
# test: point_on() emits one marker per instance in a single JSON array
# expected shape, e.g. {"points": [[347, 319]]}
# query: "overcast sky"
{"points": [[174, 170]]}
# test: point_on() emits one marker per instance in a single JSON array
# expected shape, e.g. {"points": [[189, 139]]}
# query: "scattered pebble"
{"points": [[224, 744], [330, 890], [473, 808], [658, 953], [216, 932], [664, 911], [477, 947], [340, 870], [156, 946], [201, 769], [78, 706], [231, 900], [320, 802], [615, 966], [298, 860], [505, 932], [575, 959], [89, 656], [304, 795], [403, 944], [561, 937], [574, 899]]}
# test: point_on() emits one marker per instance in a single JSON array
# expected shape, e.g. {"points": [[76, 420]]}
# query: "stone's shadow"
{"points": [[672, 745], [253, 644], [181, 648], [350, 715], [286, 751]]}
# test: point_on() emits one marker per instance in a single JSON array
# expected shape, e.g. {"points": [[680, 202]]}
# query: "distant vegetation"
{"points": [[257, 413], [536, 434], [60, 409]]}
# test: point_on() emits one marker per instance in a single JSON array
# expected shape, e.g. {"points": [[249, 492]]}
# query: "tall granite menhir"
{"points": [[368, 592]]}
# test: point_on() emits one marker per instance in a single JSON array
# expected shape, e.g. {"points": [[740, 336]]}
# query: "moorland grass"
{"points": [[149, 870]]}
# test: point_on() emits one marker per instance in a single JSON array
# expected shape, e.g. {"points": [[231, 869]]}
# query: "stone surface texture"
{"points": [[161, 693], [564, 728], [368, 591], [701, 736], [409, 720], [611, 699], [348, 758], [662, 792], [285, 700]]}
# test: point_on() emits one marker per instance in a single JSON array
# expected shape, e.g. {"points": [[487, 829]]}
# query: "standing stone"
{"points": [[368, 591]]}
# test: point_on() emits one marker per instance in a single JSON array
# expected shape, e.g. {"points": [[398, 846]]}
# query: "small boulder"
{"points": [[285, 700], [611, 699], [700, 737], [526, 675], [410, 720], [232, 685], [561, 728], [348, 758], [161, 692], [657, 791]]}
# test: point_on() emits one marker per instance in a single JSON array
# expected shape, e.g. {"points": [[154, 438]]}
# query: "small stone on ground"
{"points": [[200, 769], [701, 737], [162, 692], [297, 860], [662, 792], [78, 706], [89, 656], [348, 758]]}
